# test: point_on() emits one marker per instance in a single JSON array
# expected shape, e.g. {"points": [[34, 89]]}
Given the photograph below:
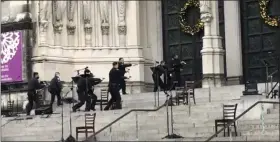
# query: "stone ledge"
{"points": [[100, 60], [64, 47]]}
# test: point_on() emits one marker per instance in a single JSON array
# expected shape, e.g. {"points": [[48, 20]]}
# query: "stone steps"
{"points": [[273, 111], [151, 125], [199, 136], [240, 138]]}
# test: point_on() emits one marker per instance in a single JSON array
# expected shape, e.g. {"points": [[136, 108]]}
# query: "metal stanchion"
{"points": [[137, 134], [189, 102], [110, 130], [172, 135], [209, 89]]}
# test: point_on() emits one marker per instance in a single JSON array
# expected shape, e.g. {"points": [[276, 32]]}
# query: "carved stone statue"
{"points": [[104, 11], [121, 10], [87, 15], [121, 7], [104, 15], [44, 15], [87, 22], [57, 10], [70, 16], [121, 17]]}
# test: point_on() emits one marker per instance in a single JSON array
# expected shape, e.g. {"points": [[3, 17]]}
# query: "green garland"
{"points": [[184, 25], [272, 21]]}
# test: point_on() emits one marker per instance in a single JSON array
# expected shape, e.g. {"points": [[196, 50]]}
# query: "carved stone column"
{"points": [[212, 52], [104, 15], [57, 21], [121, 22], [87, 22], [71, 27], [44, 15]]}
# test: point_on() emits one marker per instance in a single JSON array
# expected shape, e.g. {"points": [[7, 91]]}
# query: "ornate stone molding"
{"points": [[71, 28], [206, 17], [205, 11], [88, 29], [122, 30], [57, 27], [43, 26], [105, 29]]}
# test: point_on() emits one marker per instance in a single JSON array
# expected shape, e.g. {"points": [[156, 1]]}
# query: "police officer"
{"points": [[115, 78], [83, 89], [91, 83], [55, 88], [157, 72], [177, 66], [33, 86], [122, 67]]}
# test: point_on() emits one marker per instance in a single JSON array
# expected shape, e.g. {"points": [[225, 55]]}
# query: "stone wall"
{"points": [[75, 34]]}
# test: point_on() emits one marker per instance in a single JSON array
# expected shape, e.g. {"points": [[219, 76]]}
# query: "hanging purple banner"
{"points": [[11, 56]]}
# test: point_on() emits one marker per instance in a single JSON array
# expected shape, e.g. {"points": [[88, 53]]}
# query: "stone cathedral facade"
{"points": [[70, 35]]}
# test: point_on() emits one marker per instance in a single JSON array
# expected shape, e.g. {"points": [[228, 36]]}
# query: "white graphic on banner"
{"points": [[9, 46]]}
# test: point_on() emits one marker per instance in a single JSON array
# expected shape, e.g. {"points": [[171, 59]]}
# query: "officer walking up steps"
{"points": [[33, 86], [115, 78], [55, 88], [122, 67]]}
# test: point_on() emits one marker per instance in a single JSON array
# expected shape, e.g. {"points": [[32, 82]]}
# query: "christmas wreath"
{"points": [[183, 22], [272, 21]]}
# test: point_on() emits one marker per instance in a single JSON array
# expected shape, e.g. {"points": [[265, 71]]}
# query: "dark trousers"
{"points": [[93, 99], [123, 86], [177, 78], [31, 98], [84, 98], [57, 94], [158, 83], [115, 97]]}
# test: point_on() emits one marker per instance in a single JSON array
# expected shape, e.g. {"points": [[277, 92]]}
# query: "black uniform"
{"points": [[55, 90], [157, 72], [177, 66], [122, 67], [115, 78], [33, 86], [92, 82], [82, 91]]}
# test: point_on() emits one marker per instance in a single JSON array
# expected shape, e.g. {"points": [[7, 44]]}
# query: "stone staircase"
{"points": [[195, 127], [151, 126]]}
